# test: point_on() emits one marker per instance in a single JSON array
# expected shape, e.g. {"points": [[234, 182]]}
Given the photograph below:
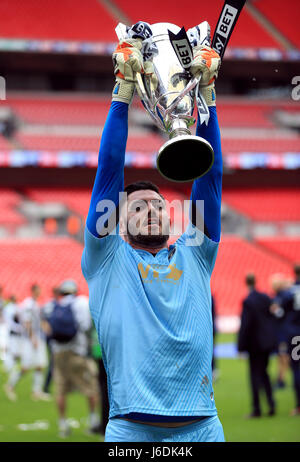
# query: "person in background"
{"points": [[257, 337], [102, 380], [290, 306], [280, 307], [68, 326], [3, 331], [33, 351], [11, 318], [46, 313], [293, 330]]}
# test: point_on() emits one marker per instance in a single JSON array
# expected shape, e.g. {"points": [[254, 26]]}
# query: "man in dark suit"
{"points": [[257, 337], [290, 306]]}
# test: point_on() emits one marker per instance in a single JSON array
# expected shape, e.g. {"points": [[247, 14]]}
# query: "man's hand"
{"points": [[127, 60], [46, 328], [206, 63], [34, 341]]}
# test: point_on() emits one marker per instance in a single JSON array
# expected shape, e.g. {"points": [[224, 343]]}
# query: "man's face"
{"points": [[147, 222], [36, 291]]}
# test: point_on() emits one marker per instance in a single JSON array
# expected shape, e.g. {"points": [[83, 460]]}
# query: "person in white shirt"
{"points": [[33, 352], [3, 331], [14, 331], [73, 369]]}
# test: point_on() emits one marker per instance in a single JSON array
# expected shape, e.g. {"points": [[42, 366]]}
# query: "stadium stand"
{"points": [[77, 200], [84, 110], [96, 22], [44, 261], [286, 247], [260, 204], [48, 109], [67, 19], [9, 216], [287, 22], [200, 11], [47, 121], [55, 142], [237, 257], [4, 143], [148, 143], [268, 144]]}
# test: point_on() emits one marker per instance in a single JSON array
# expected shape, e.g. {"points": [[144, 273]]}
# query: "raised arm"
{"points": [[109, 181], [209, 187]]}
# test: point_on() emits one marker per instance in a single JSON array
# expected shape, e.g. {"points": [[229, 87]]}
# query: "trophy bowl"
{"points": [[185, 158]]}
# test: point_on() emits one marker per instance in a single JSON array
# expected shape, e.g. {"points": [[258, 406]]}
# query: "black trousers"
{"points": [[102, 378], [49, 372], [259, 379]]}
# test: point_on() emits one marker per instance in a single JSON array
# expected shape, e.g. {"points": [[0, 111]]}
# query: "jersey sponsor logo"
{"points": [[154, 276]]}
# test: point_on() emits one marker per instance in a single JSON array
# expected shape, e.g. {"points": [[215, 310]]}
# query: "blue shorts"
{"points": [[208, 430]]}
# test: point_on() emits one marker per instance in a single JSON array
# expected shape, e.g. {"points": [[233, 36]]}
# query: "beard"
{"points": [[148, 240]]}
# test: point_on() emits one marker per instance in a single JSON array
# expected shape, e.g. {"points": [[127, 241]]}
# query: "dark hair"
{"points": [[250, 280], [34, 287], [297, 270], [141, 185]]}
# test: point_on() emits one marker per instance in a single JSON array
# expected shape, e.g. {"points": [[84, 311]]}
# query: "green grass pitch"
{"points": [[231, 395]]}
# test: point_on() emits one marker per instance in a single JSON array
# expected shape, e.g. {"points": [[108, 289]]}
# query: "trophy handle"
{"points": [[192, 83], [140, 87]]}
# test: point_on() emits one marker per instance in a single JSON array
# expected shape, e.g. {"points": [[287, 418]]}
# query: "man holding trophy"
{"points": [[151, 303]]}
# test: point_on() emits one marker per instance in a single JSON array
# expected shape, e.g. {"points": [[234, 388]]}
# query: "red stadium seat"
{"points": [[77, 200], [48, 109], [286, 247], [43, 261], [244, 114], [9, 216], [252, 144], [4, 144], [64, 143], [147, 143], [265, 204], [284, 16], [248, 33], [235, 259], [56, 20]]}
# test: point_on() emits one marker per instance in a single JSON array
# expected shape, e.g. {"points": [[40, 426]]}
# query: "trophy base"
{"points": [[185, 158]]}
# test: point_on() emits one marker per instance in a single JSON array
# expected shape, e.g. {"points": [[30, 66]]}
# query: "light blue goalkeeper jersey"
{"points": [[153, 315]]}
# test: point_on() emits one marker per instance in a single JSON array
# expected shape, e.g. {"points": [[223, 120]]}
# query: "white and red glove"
{"points": [[206, 63], [127, 60]]}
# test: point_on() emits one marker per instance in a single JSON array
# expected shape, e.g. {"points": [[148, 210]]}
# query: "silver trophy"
{"points": [[168, 93]]}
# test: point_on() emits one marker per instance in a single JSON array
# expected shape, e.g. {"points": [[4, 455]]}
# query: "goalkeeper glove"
{"points": [[127, 60], [206, 62]]}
